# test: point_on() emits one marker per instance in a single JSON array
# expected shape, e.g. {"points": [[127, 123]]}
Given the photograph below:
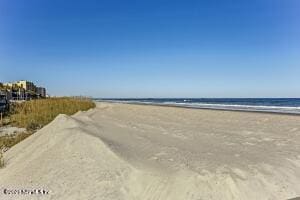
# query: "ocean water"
{"points": [[275, 105]]}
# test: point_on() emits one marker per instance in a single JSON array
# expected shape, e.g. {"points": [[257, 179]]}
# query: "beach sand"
{"points": [[139, 152]]}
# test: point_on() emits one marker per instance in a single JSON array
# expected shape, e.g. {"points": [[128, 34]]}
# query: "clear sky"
{"points": [[153, 48]]}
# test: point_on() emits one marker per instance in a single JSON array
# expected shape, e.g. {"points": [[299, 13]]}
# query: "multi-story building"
{"points": [[23, 90], [10, 85], [26, 85], [41, 91], [5, 92], [19, 94]]}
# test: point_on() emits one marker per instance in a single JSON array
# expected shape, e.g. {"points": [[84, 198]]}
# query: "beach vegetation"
{"points": [[8, 141], [35, 114], [1, 160]]}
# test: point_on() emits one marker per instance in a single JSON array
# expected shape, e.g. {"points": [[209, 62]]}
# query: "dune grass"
{"points": [[8, 141], [37, 113], [1, 160]]}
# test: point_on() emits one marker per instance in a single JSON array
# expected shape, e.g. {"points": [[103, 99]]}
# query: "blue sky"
{"points": [[153, 48]]}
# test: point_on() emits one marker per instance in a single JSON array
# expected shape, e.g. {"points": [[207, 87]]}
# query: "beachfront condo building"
{"points": [[24, 90], [41, 91], [10, 85], [27, 85]]}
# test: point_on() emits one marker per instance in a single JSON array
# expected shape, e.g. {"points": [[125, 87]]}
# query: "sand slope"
{"points": [[160, 153]]}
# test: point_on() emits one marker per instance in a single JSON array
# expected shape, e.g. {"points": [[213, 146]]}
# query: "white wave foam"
{"points": [[239, 107]]}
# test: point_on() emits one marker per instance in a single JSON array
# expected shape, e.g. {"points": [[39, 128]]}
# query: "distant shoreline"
{"points": [[201, 108]]}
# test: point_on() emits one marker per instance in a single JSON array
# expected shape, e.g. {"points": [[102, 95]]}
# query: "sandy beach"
{"points": [[138, 152]]}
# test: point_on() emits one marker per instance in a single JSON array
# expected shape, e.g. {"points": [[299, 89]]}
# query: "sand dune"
{"points": [[136, 152]]}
